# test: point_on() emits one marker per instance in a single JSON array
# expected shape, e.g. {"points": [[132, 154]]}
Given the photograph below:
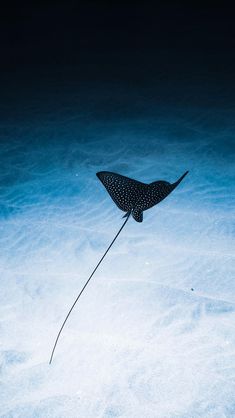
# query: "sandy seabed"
{"points": [[140, 343]]}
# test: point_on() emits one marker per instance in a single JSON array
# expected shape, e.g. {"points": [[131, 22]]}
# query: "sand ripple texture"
{"points": [[153, 335]]}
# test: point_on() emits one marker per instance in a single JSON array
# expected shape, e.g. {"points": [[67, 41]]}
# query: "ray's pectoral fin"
{"points": [[137, 215]]}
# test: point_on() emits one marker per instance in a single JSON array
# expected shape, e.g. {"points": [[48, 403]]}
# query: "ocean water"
{"points": [[153, 335]]}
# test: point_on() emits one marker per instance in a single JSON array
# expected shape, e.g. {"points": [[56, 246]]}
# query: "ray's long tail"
{"points": [[85, 285]]}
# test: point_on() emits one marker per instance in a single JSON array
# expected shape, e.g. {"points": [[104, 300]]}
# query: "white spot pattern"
{"points": [[132, 195]]}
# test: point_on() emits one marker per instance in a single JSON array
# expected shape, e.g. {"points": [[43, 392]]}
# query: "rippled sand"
{"points": [[153, 335]]}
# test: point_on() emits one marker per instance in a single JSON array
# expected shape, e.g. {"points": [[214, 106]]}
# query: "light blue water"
{"points": [[140, 343]]}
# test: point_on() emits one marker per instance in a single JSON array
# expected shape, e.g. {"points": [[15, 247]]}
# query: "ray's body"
{"points": [[134, 197]]}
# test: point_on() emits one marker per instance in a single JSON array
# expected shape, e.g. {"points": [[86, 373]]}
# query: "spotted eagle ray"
{"points": [[132, 197]]}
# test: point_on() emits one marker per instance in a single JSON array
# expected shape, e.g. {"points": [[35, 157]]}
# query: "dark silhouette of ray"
{"points": [[133, 197]]}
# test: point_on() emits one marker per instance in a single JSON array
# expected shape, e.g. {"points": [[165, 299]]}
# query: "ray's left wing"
{"points": [[124, 191]]}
